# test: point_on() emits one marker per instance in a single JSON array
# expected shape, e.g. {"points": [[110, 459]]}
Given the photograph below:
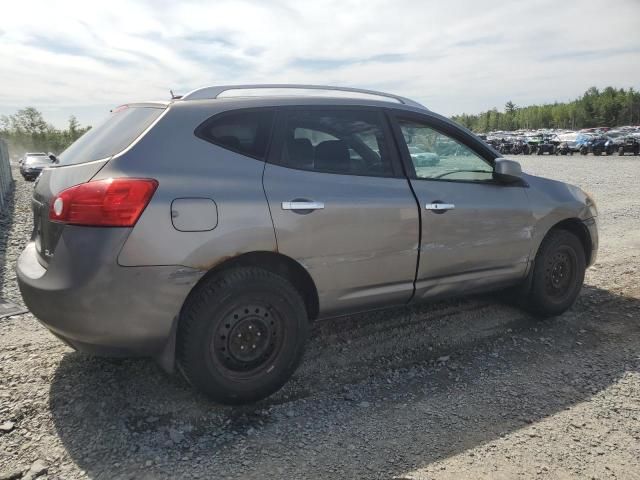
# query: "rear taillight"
{"points": [[114, 202]]}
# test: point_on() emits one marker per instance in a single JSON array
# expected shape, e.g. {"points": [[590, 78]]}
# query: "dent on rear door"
{"points": [[361, 248]]}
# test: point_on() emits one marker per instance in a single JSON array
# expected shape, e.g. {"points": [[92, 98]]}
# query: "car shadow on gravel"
{"points": [[411, 408]]}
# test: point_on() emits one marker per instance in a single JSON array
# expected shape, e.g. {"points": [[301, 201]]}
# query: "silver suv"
{"points": [[209, 231]]}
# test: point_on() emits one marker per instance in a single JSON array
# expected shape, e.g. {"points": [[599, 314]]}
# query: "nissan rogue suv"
{"points": [[209, 231]]}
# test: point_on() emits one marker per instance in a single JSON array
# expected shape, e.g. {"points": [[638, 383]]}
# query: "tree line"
{"points": [[27, 131], [610, 107]]}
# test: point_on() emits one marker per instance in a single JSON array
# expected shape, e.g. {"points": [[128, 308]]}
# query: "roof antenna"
{"points": [[174, 96]]}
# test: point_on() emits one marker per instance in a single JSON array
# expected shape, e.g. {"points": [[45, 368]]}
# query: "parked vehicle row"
{"points": [[594, 141], [210, 233]]}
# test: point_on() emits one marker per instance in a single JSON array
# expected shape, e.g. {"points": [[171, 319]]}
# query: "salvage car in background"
{"points": [[624, 142], [547, 145], [422, 158], [628, 145], [598, 145], [32, 164]]}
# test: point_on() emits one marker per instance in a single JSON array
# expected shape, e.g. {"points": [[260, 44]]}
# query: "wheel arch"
{"points": [[277, 263], [578, 228]]}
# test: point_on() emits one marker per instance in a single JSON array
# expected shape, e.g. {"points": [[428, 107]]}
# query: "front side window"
{"points": [[246, 132], [438, 156], [335, 141]]}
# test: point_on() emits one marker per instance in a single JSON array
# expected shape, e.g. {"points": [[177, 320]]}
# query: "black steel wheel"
{"points": [[241, 335], [560, 272], [247, 339], [557, 275]]}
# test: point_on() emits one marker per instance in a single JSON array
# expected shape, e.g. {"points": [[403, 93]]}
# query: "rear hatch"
{"points": [[81, 162]]}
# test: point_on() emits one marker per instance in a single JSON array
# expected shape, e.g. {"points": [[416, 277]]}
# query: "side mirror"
{"points": [[507, 170]]}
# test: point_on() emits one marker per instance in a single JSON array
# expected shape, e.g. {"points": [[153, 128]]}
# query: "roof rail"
{"points": [[215, 91]]}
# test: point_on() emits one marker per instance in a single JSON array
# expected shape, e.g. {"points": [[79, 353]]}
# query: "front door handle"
{"points": [[302, 205], [439, 207]]}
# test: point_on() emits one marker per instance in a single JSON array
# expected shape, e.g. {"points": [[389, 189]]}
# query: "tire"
{"points": [[221, 346], [597, 153], [557, 274], [621, 151]]}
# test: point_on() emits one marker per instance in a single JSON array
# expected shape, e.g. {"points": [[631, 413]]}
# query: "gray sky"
{"points": [[83, 58]]}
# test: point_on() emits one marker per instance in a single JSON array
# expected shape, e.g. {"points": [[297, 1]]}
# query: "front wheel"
{"points": [[242, 335], [558, 274]]}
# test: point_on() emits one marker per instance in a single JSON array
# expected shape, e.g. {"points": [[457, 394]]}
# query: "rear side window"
{"points": [[350, 142], [245, 131], [112, 136]]}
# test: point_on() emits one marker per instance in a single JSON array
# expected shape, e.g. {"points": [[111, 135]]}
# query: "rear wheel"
{"points": [[242, 335], [558, 274]]}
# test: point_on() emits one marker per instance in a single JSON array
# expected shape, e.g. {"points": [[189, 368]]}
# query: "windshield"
{"points": [[38, 160], [115, 134]]}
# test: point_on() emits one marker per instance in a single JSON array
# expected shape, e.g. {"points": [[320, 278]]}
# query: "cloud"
{"points": [[69, 57], [332, 63]]}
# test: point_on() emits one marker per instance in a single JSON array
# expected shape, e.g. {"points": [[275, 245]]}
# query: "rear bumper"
{"points": [[93, 304], [30, 175]]}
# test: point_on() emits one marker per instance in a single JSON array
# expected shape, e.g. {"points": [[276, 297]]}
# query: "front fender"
{"points": [[553, 202]]}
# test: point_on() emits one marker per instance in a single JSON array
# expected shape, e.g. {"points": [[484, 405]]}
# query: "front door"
{"points": [[476, 231], [341, 206]]}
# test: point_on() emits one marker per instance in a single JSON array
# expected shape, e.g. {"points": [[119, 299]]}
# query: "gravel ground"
{"points": [[459, 389]]}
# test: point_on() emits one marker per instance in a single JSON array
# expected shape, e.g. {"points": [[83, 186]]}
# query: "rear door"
{"points": [[476, 231], [341, 206]]}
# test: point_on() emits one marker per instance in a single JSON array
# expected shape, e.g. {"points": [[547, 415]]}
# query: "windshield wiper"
{"points": [[461, 171]]}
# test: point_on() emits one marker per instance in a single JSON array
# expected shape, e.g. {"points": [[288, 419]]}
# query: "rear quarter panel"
{"points": [[187, 167]]}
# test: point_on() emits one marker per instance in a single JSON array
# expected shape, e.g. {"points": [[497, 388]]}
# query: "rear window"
{"points": [[37, 160], [244, 131], [112, 136]]}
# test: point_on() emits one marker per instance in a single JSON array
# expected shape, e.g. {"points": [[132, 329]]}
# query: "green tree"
{"points": [[27, 130], [608, 107]]}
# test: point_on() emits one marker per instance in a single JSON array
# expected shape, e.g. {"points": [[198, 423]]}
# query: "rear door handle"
{"points": [[439, 207], [299, 205]]}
